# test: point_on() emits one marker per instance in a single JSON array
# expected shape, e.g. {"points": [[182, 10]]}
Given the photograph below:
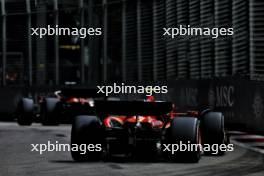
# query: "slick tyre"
{"points": [[49, 113], [25, 110], [213, 130], [86, 130], [184, 130]]}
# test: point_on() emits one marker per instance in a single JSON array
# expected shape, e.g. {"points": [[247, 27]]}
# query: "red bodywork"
{"points": [[78, 100], [111, 121], [155, 121], [121, 120]]}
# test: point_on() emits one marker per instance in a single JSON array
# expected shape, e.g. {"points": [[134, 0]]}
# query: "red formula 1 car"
{"points": [[61, 107], [145, 128]]}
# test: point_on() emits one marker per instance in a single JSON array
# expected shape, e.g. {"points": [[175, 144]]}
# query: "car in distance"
{"points": [[61, 107]]}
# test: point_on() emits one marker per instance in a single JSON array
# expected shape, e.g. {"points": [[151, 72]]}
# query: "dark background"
{"points": [[224, 73]]}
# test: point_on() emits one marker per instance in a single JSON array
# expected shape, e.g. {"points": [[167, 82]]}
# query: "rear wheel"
{"points": [[86, 131], [184, 132], [213, 130], [25, 112], [49, 113]]}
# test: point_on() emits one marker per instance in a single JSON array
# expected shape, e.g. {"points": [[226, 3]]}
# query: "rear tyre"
{"points": [[86, 131], [186, 131], [25, 110], [213, 131], [49, 113]]}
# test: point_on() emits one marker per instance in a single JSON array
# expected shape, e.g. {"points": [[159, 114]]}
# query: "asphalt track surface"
{"points": [[16, 158]]}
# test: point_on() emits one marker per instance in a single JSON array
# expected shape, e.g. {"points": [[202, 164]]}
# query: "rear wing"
{"points": [[129, 108], [81, 93]]}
